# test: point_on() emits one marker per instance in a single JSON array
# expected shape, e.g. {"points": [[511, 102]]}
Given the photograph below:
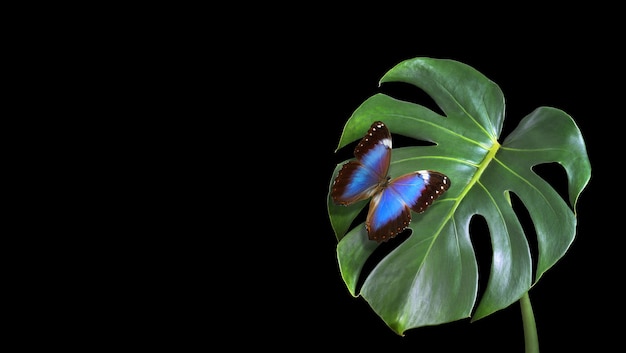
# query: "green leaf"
{"points": [[432, 277]]}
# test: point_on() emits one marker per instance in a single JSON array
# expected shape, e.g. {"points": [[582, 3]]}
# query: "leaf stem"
{"points": [[531, 340]]}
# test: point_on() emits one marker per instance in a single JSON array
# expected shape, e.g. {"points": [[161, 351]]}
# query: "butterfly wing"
{"points": [[392, 201], [390, 210], [362, 178]]}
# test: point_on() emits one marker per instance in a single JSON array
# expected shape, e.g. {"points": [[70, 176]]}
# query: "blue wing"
{"points": [[390, 210], [392, 200], [363, 177]]}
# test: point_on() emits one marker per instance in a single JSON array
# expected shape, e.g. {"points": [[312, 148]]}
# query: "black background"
{"points": [[315, 83], [216, 152]]}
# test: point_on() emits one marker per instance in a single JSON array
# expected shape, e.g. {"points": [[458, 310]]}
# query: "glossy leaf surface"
{"points": [[432, 277]]}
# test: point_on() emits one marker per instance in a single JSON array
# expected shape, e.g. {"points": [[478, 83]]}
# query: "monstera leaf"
{"points": [[432, 276]]}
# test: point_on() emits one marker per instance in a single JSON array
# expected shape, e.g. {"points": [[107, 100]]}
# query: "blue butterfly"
{"points": [[392, 199]]}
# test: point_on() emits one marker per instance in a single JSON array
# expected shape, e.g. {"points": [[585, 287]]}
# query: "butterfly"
{"points": [[391, 199]]}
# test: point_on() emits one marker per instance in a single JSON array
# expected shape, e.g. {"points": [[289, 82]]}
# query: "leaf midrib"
{"points": [[457, 201]]}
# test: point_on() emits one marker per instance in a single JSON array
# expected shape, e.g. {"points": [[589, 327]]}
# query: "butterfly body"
{"points": [[392, 199]]}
